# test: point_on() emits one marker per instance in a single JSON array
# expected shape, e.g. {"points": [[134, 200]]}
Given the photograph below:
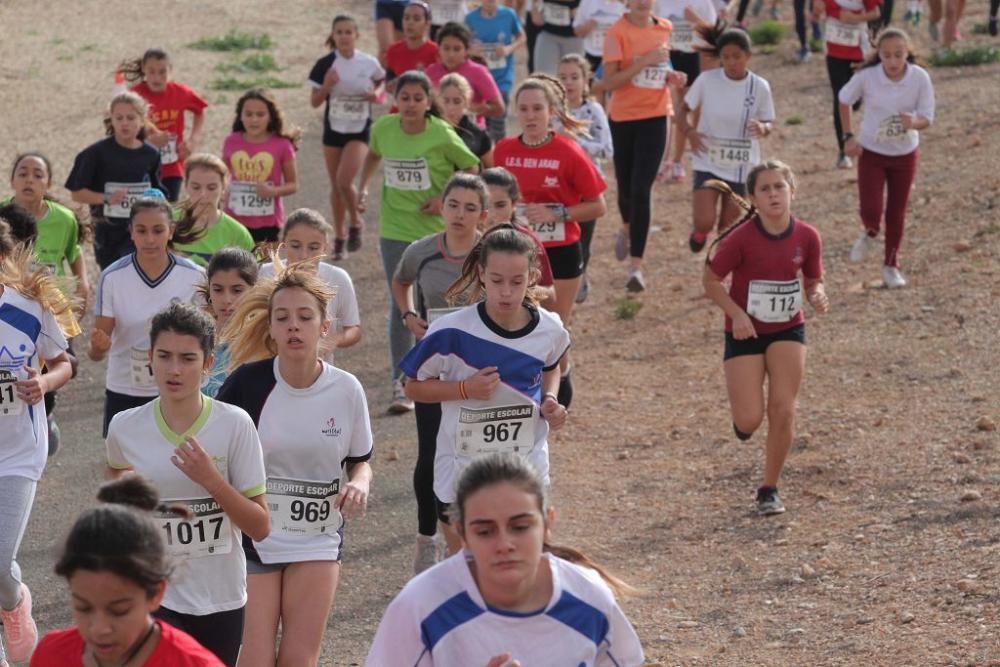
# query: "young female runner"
{"points": [[899, 102], [306, 239], [415, 50], [129, 293], [29, 336], [560, 186], [205, 181], [428, 268], [205, 455], [454, 41], [116, 563], [420, 153], [260, 154], [773, 258], [498, 34], [732, 110], [168, 101], [230, 274], [556, 37], [454, 96], [346, 81], [493, 366], [388, 23], [591, 22], [111, 174], [312, 419], [510, 598]]}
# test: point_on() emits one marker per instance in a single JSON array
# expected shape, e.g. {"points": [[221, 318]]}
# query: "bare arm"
{"points": [[100, 339]]}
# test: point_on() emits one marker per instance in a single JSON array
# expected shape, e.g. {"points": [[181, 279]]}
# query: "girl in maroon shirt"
{"points": [[774, 259]]}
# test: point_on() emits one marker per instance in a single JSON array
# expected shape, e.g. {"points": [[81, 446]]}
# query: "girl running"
{"points": [[556, 37], [732, 110], [560, 186], [230, 274], [591, 23], [498, 34], [511, 597], [168, 101], [415, 50], [637, 69], [454, 41], [420, 153], [260, 154], [313, 424], [116, 563], [347, 81], [454, 96], [29, 336], [306, 240], [766, 253], [205, 455], [846, 34], [111, 174], [594, 138], [899, 102], [205, 181], [388, 23], [129, 293], [493, 366], [428, 268]]}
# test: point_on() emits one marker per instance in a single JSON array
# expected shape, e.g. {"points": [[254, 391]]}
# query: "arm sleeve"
{"points": [[246, 469], [457, 152], [398, 638], [925, 100], [559, 347], [586, 180], [487, 86], [229, 392], [622, 645], [347, 303], [765, 110], [583, 13], [154, 174], [84, 169], [51, 341], [378, 73], [425, 361], [104, 303], [693, 97], [244, 239], [406, 270], [852, 90], [599, 145], [727, 257], [361, 446], [115, 456], [73, 239], [318, 72], [813, 267], [613, 50], [194, 103]]}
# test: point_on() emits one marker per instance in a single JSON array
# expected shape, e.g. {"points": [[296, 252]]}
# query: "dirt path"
{"points": [[879, 561]]}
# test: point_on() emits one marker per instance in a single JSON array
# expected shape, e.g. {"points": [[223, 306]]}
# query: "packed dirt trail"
{"points": [[888, 554]]}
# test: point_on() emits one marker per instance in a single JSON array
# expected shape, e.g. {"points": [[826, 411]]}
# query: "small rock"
{"points": [[906, 618], [688, 624], [962, 246], [826, 564], [393, 455], [797, 631], [807, 571], [961, 457], [970, 495], [738, 631], [984, 423], [966, 585], [864, 620], [622, 456]]}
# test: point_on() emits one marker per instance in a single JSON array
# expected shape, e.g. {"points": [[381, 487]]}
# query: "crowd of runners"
{"points": [[237, 452]]}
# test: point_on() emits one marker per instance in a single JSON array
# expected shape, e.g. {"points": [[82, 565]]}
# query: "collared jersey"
{"points": [[212, 574], [440, 619], [459, 345], [308, 435], [885, 99]]}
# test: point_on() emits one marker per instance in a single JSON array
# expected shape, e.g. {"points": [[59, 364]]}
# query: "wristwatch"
{"points": [[848, 136], [407, 314]]}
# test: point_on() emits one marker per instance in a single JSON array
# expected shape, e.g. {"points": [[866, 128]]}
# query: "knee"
{"points": [[780, 413], [296, 656], [344, 182], [746, 421]]}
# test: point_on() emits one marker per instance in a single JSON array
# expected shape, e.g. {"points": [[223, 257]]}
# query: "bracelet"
{"points": [[549, 394], [848, 136], [106, 198], [407, 314], [461, 391]]}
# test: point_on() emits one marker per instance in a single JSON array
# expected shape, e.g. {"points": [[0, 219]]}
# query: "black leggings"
{"points": [[994, 8], [428, 421], [586, 237], [840, 72], [638, 148], [801, 7], [221, 633]]}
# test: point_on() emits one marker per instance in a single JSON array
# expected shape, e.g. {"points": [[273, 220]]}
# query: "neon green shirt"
{"points": [[58, 241], [223, 234]]}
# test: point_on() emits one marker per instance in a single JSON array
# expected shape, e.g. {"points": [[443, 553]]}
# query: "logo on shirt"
{"points": [[798, 258], [331, 430], [551, 182], [10, 360]]}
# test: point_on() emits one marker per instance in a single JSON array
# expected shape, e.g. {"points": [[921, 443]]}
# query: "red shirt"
{"points": [[557, 172], [545, 279], [64, 648], [166, 110], [751, 253], [400, 58], [839, 51]]}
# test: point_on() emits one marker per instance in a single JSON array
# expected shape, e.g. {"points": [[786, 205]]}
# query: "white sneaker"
{"points": [[892, 277], [862, 248], [427, 553], [400, 403], [845, 162]]}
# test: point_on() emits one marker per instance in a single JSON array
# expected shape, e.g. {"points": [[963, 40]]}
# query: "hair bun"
{"points": [[131, 490]]}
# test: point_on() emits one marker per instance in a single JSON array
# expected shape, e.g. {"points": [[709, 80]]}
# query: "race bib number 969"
{"points": [[303, 507]]}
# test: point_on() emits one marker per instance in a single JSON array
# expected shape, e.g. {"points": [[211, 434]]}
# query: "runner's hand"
{"points": [[117, 197], [352, 501], [658, 55], [852, 148], [503, 661], [32, 389], [756, 128], [158, 138], [482, 385], [677, 79], [743, 327], [417, 326], [907, 120], [554, 413], [819, 300], [183, 151], [266, 191], [192, 460], [432, 206], [539, 213], [362, 200], [330, 79], [696, 141], [100, 343]]}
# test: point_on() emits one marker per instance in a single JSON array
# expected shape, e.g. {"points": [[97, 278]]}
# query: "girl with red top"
{"points": [[168, 102], [415, 50], [559, 186], [116, 563], [773, 259]]}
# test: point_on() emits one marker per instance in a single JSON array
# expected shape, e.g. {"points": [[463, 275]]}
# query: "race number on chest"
{"points": [[774, 300], [891, 130], [244, 200], [168, 151], [350, 108], [447, 11], [653, 77], [509, 428], [208, 533], [140, 370], [557, 14], [843, 34], [303, 507], [11, 404], [729, 153], [411, 175], [682, 38], [123, 209]]}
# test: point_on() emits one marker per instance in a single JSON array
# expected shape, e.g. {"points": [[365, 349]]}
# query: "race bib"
{"points": [[844, 34], [891, 130], [207, 533], [549, 231], [682, 38], [653, 77], [168, 151], [435, 313], [243, 200], [303, 507], [493, 61], [410, 175], [447, 11], [556, 14], [133, 191], [140, 371], [351, 108], [11, 404], [729, 153], [509, 429], [774, 300], [594, 42]]}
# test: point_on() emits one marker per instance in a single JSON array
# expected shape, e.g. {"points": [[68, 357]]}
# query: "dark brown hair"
{"points": [[276, 123]]}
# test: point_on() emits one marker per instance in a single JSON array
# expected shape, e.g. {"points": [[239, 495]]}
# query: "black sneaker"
{"points": [[768, 502], [338, 250], [992, 27], [353, 239], [695, 243]]}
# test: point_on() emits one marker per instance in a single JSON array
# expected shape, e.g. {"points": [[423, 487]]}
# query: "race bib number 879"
{"points": [[411, 175]]}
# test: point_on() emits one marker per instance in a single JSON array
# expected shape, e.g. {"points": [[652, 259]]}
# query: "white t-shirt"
{"points": [[456, 347], [350, 109], [440, 618], [605, 12], [308, 435], [343, 308], [29, 334], [881, 131], [129, 296], [212, 575], [683, 38], [448, 11], [727, 107]]}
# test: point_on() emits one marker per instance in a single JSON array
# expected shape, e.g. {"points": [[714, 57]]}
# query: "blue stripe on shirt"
{"points": [[451, 614]]}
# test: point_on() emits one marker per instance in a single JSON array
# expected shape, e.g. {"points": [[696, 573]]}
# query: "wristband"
{"points": [[407, 314], [549, 394], [461, 391], [848, 136], [106, 198]]}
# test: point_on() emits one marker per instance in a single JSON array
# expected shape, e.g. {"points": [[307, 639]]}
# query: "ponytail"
{"points": [[136, 492], [749, 211], [619, 587], [502, 238]]}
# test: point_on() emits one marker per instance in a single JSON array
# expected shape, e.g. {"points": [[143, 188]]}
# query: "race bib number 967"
{"points": [[508, 429]]}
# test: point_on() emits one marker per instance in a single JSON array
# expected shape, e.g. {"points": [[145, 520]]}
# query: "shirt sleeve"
{"points": [[51, 341], [347, 303], [104, 303], [598, 145], [81, 176], [813, 266], [73, 239], [194, 102], [852, 90], [361, 446], [246, 459], [487, 87], [113, 450], [622, 645], [406, 270], [398, 638], [693, 97], [243, 239], [614, 51], [318, 72], [765, 105], [559, 347], [583, 13], [378, 73], [925, 99], [426, 360], [457, 152], [728, 256], [586, 181]]}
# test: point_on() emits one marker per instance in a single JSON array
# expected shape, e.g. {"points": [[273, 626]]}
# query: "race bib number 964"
{"points": [[508, 429], [207, 533]]}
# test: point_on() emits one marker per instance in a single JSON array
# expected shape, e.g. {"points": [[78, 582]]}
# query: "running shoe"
{"points": [[697, 241], [621, 245], [663, 173], [338, 250], [54, 435], [757, 6], [427, 553], [892, 277], [768, 502], [804, 55], [677, 173], [992, 26], [400, 403], [845, 162], [584, 290], [862, 248], [635, 283], [354, 239], [19, 629], [817, 31]]}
